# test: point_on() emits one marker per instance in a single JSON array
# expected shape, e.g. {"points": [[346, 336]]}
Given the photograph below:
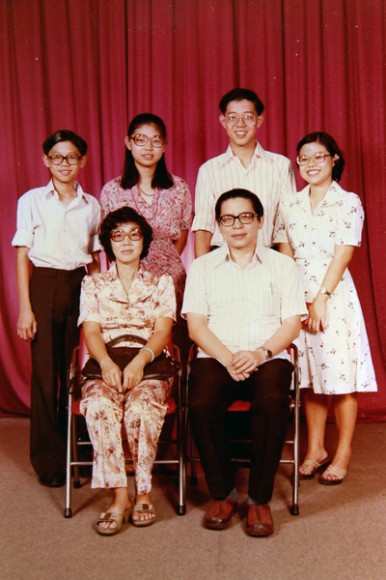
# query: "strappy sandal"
{"points": [[338, 474], [113, 517], [308, 469], [143, 508]]}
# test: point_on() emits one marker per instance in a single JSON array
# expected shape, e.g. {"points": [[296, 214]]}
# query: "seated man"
{"points": [[243, 304]]}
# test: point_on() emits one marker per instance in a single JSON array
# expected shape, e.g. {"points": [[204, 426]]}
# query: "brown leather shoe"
{"points": [[219, 514], [259, 521]]}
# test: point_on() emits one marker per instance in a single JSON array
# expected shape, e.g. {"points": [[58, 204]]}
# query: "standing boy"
{"points": [[57, 227], [245, 164]]}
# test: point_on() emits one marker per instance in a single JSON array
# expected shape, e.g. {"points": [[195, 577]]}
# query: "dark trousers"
{"points": [[211, 391], [55, 303]]}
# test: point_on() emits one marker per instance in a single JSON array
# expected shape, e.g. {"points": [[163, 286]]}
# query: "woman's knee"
{"points": [[97, 408]]}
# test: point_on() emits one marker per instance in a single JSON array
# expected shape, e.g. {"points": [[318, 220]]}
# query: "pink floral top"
{"points": [[169, 214], [104, 300]]}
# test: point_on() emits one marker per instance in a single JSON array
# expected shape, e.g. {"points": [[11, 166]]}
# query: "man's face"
{"points": [[241, 122], [240, 236]]}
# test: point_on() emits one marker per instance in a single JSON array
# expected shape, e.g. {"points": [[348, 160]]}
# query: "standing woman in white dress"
{"points": [[320, 227]]}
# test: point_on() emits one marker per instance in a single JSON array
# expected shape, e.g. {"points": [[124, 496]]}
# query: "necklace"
{"points": [[153, 206], [144, 192]]}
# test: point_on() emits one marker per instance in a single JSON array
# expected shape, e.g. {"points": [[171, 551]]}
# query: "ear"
{"points": [[335, 158], [222, 121], [127, 143], [46, 161], [260, 121], [83, 161], [260, 222]]}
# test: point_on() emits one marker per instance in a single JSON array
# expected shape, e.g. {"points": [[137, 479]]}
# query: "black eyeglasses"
{"points": [[119, 235], [142, 140], [246, 217], [72, 159]]}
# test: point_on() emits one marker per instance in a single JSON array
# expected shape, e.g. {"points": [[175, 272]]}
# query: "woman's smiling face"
{"points": [[315, 164]]}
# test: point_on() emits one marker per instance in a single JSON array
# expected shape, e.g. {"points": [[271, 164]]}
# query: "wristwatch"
{"points": [[266, 351], [325, 292]]}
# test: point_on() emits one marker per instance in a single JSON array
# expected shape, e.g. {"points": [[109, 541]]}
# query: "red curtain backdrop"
{"points": [[90, 65]]}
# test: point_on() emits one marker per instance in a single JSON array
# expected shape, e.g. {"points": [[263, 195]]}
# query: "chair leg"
{"points": [[295, 484], [69, 450], [181, 510]]}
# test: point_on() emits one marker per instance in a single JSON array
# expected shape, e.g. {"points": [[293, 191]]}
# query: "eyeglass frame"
{"points": [[313, 159], [65, 158], [126, 234], [237, 217], [243, 116], [147, 139]]}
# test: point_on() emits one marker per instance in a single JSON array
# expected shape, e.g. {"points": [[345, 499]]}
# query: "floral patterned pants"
{"points": [[142, 410]]}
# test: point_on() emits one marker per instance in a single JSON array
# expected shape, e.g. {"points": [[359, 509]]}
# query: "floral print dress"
{"points": [[336, 360], [168, 214]]}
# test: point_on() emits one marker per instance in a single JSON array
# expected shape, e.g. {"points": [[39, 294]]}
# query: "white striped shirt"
{"points": [[269, 176], [244, 307]]}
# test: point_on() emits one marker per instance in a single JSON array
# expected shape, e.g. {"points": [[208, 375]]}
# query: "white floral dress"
{"points": [[336, 360]]}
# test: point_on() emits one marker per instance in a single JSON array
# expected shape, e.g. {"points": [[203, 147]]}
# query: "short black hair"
{"points": [[332, 147], [121, 216], [65, 135], [245, 194], [240, 95]]}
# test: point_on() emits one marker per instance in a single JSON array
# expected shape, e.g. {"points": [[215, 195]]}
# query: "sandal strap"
{"points": [[337, 472], [109, 517], [143, 508]]}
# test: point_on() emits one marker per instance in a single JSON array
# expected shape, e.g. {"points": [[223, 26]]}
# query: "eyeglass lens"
{"points": [[248, 118], [317, 158], [244, 218], [57, 159], [142, 140], [133, 235]]}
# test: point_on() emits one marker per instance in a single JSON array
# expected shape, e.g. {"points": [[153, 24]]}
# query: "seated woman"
{"points": [[127, 299]]}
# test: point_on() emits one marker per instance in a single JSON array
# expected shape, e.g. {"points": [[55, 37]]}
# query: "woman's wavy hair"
{"points": [[332, 147], [162, 179], [120, 217]]}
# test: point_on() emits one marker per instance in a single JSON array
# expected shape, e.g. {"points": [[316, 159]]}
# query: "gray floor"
{"points": [[340, 532]]}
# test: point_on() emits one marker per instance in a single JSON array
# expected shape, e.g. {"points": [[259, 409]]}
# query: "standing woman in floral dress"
{"points": [[160, 197], [320, 227]]}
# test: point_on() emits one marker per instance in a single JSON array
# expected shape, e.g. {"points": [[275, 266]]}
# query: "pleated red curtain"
{"points": [[90, 65]]}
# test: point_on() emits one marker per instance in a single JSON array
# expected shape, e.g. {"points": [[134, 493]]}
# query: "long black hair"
{"points": [[162, 179]]}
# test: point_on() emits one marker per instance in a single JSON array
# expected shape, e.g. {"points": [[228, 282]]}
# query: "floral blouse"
{"points": [[104, 300]]}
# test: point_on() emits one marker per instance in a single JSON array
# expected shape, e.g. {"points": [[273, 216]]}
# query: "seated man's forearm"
{"points": [[207, 340]]}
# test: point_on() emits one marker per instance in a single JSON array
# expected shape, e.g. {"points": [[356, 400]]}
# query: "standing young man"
{"points": [[243, 304], [57, 227], [245, 164]]}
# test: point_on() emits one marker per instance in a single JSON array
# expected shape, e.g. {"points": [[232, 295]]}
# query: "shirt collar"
{"points": [[333, 195], [221, 255], [229, 156], [113, 270], [50, 190]]}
